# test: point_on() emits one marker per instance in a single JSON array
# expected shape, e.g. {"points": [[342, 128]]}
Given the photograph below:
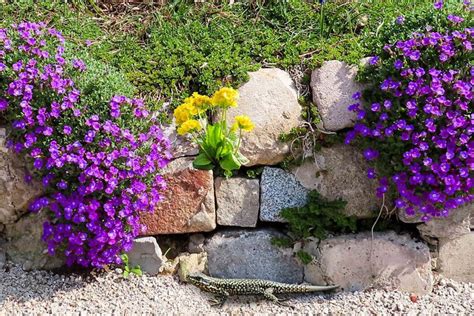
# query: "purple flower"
{"points": [[374, 60], [438, 5], [370, 154], [78, 64], [67, 130], [3, 104], [398, 64], [371, 173], [356, 96], [455, 19], [400, 19]]}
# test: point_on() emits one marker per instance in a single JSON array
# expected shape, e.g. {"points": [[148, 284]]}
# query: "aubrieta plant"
{"points": [[98, 163], [218, 142], [418, 121]]}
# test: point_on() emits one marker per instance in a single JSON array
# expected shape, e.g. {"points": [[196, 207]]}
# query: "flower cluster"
{"points": [[219, 145], [419, 120], [99, 177]]}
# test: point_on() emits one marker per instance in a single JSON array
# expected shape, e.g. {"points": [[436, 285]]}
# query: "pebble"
{"points": [[40, 292]]}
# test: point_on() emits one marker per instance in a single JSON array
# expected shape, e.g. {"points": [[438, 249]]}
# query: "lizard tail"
{"points": [[317, 288], [310, 288]]}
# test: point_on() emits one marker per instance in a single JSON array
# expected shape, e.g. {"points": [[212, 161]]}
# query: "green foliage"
{"points": [[318, 217], [254, 173], [167, 52], [101, 81], [219, 146], [305, 257], [127, 270], [283, 242]]}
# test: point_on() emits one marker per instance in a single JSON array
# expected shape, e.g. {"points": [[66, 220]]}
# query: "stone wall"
{"points": [[240, 216]]}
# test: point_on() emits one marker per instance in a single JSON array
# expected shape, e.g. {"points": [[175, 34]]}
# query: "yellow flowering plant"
{"points": [[218, 141]]}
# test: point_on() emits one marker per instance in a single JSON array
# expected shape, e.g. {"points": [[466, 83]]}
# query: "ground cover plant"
{"points": [[417, 122], [170, 51], [99, 162]]}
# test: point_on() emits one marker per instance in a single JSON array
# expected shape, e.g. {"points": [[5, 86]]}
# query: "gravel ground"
{"points": [[40, 292]]}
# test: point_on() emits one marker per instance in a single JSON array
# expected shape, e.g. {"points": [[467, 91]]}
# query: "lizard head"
{"points": [[198, 279]]}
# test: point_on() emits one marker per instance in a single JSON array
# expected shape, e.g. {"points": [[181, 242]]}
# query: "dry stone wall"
{"points": [[228, 220]]}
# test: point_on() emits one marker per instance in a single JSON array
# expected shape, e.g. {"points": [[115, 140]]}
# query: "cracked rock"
{"points": [[355, 262]]}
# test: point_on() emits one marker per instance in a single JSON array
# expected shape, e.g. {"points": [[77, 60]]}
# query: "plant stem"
{"points": [[238, 142]]}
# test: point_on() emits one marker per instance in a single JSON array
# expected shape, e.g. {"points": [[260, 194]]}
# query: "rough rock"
{"points": [[196, 243], [188, 204], [238, 201], [250, 254], [279, 189], [355, 263], [147, 254], [181, 146], [458, 223], [341, 172], [270, 99], [402, 216], [15, 193], [191, 263], [333, 86], [456, 258], [3, 258], [24, 245]]}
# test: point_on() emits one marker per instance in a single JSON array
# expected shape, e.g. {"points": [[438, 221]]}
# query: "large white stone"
{"points": [[333, 86], [238, 201], [356, 262], [456, 258], [341, 172], [15, 193], [270, 99]]}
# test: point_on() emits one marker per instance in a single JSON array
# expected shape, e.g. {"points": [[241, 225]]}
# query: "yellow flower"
{"points": [[200, 102], [225, 97], [243, 122], [184, 112], [189, 127]]}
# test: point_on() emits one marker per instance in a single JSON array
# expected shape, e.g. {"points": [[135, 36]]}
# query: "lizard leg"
{"points": [[220, 296], [268, 294]]}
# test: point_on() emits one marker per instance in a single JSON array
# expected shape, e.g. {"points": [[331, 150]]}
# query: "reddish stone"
{"points": [[188, 204]]}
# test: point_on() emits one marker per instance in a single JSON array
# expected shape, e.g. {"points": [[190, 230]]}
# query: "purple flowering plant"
{"points": [[99, 163], [416, 120]]}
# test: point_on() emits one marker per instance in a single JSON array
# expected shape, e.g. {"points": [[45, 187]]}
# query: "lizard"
{"points": [[223, 288]]}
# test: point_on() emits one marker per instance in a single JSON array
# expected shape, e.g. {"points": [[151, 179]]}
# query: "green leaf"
{"points": [[241, 158], [126, 274], [124, 258], [137, 271], [305, 257], [230, 162], [202, 162]]}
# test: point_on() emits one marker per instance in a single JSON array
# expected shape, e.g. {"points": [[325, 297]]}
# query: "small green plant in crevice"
{"points": [[254, 173], [318, 217], [283, 242], [305, 257], [127, 270]]}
